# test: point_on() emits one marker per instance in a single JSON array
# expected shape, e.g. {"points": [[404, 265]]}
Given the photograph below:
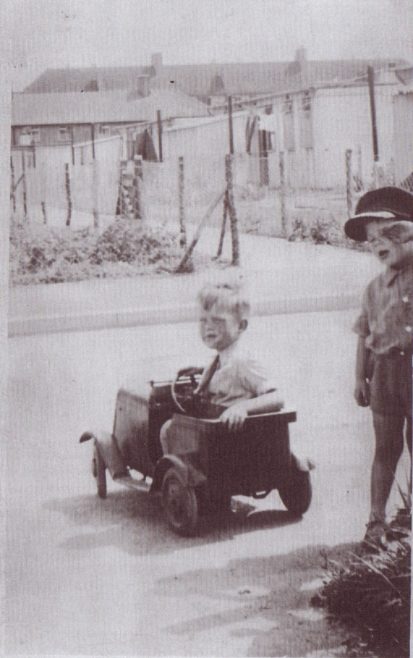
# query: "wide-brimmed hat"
{"points": [[384, 203]]}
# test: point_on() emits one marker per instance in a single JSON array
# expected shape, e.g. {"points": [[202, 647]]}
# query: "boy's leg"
{"points": [[163, 436], [409, 437], [389, 446], [409, 441]]}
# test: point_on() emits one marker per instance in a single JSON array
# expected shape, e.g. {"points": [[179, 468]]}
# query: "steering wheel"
{"points": [[183, 396]]}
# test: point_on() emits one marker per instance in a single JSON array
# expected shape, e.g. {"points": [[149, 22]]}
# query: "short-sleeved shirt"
{"points": [[239, 377], [386, 319]]}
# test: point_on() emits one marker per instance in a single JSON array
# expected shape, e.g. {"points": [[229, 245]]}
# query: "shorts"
{"points": [[391, 384]]}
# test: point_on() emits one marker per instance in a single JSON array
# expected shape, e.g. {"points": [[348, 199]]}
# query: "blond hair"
{"points": [[229, 297]]}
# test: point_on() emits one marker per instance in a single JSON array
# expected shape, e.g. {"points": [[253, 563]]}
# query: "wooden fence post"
{"points": [[138, 206], [68, 195], [43, 205], [231, 209], [24, 186], [121, 210], [230, 126], [181, 201], [95, 193], [349, 181], [12, 183], [282, 196], [223, 227]]}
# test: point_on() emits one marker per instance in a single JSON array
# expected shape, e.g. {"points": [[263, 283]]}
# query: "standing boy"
{"points": [[384, 218]]}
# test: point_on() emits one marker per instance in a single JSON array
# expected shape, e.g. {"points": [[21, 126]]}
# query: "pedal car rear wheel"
{"points": [[180, 504], [99, 473], [296, 492]]}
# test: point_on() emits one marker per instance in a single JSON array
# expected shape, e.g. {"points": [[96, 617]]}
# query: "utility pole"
{"points": [[370, 78], [159, 122]]}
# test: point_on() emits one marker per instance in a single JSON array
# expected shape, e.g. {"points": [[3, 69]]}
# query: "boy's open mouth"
{"points": [[383, 253]]}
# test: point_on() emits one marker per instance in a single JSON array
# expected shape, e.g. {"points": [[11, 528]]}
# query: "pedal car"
{"points": [[205, 463]]}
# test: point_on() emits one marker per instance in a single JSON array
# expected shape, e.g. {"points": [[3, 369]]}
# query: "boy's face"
{"points": [[219, 328], [390, 252]]}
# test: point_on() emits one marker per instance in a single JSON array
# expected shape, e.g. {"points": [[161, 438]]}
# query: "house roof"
{"points": [[102, 107], [206, 79]]}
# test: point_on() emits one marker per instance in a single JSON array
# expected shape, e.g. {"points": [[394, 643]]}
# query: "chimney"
{"points": [[156, 62], [143, 85], [301, 55]]}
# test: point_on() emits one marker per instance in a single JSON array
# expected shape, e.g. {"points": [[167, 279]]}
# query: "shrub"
{"points": [[41, 254], [127, 241], [322, 231], [371, 594]]}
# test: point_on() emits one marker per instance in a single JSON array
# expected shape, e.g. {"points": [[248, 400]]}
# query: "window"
{"points": [[29, 136], [64, 134], [35, 134], [24, 139]]}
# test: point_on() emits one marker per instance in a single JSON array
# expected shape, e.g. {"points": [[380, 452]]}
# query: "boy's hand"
{"points": [[399, 232], [234, 416], [362, 393]]}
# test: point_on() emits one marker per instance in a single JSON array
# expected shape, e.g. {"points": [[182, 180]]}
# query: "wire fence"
{"points": [[58, 187], [273, 191], [268, 193], [182, 190]]}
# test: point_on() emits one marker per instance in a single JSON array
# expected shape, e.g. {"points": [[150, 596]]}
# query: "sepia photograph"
{"points": [[207, 328]]}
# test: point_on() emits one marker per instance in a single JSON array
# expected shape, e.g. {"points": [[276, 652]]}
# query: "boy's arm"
{"points": [[362, 389], [264, 404], [190, 370], [362, 328], [236, 414]]}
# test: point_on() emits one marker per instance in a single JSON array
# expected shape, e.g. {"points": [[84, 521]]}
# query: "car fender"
{"points": [[188, 475], [108, 450]]}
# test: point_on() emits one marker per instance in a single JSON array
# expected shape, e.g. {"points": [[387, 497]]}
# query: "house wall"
{"points": [[403, 135], [50, 135], [342, 120], [318, 128], [203, 137], [204, 143]]}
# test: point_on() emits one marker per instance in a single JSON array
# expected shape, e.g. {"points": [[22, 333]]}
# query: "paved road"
{"points": [[284, 277], [108, 577]]}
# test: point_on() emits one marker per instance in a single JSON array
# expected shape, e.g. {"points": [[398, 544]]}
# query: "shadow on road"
{"points": [[134, 522], [267, 599]]}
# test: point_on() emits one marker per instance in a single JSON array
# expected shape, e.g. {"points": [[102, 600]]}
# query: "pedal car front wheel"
{"points": [[296, 491], [180, 504], [99, 472]]}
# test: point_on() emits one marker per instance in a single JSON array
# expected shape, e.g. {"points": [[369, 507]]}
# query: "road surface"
{"points": [[93, 577]]}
